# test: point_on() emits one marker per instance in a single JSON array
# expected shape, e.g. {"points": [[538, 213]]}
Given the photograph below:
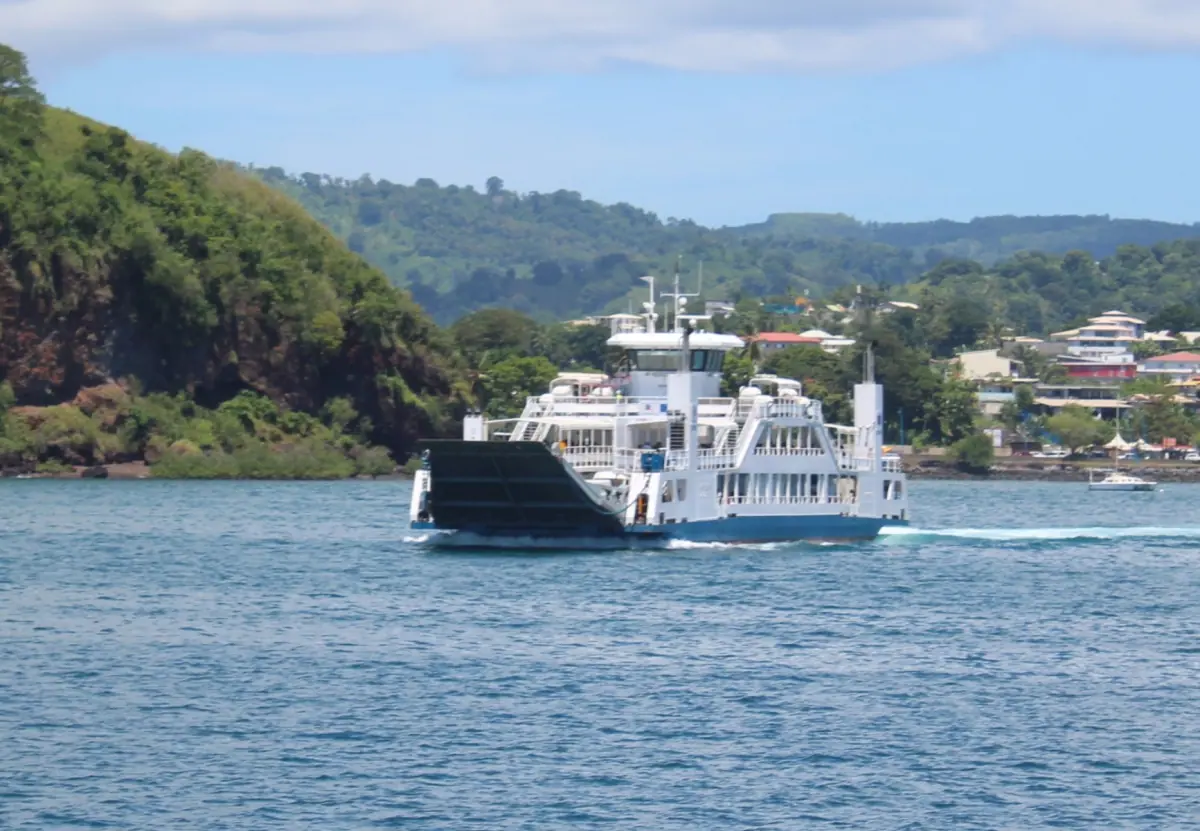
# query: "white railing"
{"points": [[788, 500], [631, 459], [712, 460], [589, 458], [846, 462], [789, 451]]}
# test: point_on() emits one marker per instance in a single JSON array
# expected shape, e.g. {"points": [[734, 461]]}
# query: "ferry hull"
{"points": [[518, 495], [731, 531]]}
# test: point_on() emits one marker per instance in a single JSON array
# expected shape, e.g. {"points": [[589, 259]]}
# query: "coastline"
{"points": [[917, 468], [134, 471], [1036, 470]]}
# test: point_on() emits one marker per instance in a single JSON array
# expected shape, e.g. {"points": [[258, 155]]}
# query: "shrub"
{"points": [[973, 454], [373, 461], [54, 467]]}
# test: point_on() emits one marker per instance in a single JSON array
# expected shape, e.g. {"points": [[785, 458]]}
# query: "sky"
{"points": [[722, 111]]}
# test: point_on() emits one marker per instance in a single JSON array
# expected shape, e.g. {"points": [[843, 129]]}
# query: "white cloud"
{"points": [[704, 35]]}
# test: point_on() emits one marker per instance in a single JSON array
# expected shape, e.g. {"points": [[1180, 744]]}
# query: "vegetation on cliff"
{"points": [[246, 437], [188, 278]]}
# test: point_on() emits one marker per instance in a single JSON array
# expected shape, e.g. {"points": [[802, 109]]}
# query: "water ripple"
{"points": [[240, 656]]}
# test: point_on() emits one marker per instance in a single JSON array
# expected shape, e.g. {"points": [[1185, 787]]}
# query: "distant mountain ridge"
{"points": [[984, 239], [558, 255]]}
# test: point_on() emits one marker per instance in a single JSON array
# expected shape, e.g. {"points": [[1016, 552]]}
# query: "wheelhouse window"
{"points": [[707, 360], [667, 360], [654, 360]]}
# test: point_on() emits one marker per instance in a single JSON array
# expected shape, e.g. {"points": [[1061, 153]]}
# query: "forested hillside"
{"points": [[1037, 293], [558, 255], [987, 239], [181, 276]]}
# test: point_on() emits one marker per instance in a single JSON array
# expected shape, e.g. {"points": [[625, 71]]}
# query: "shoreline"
{"points": [[1027, 470], [927, 468], [140, 471]]}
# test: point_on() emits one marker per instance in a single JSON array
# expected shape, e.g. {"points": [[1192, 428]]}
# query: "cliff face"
{"points": [[120, 261]]}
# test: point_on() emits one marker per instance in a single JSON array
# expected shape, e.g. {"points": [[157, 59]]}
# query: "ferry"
{"points": [[654, 454]]}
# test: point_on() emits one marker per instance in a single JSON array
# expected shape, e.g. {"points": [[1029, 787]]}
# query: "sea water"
{"points": [[246, 656]]}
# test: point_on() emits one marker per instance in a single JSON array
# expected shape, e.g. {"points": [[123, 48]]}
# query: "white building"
{"points": [[1103, 346], [830, 343], [1175, 368], [996, 375]]}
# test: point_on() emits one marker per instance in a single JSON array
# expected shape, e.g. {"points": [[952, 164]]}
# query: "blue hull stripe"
{"points": [[777, 529], [731, 530]]}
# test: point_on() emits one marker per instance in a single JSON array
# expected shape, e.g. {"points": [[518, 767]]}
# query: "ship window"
{"points": [[654, 360], [707, 360], [681, 489]]}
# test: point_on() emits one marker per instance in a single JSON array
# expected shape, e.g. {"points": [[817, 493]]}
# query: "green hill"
{"points": [[986, 239], [558, 255], [179, 275]]}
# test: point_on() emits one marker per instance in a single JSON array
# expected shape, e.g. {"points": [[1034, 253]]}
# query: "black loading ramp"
{"points": [[511, 489]]}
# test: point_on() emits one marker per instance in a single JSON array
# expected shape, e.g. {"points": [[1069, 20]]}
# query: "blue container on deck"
{"points": [[652, 462]]}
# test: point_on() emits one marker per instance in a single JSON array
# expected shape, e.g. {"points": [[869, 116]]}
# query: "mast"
{"points": [[869, 354], [649, 307]]}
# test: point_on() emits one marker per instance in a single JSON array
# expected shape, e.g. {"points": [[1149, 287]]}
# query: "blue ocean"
{"points": [[255, 656]]}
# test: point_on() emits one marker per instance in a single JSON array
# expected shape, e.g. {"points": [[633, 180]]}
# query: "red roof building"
{"points": [[782, 340]]}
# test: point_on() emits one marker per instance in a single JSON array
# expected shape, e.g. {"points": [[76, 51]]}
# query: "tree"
{"points": [[21, 103], [1075, 428], [508, 383], [1163, 418], [953, 409], [495, 186], [739, 368], [1176, 318], [17, 87], [973, 453], [493, 334], [1144, 349]]}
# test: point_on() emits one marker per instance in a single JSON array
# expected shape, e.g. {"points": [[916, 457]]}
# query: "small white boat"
{"points": [[1118, 481]]}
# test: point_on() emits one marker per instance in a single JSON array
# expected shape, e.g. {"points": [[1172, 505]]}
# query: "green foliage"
{"points": [[739, 367], [508, 383], [373, 461], [973, 453], [1076, 428], [1159, 417], [954, 407], [493, 334], [558, 255], [248, 436], [191, 277], [20, 104], [259, 461], [1177, 317], [54, 467], [1038, 293]]}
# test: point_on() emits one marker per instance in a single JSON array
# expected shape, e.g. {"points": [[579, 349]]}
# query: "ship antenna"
{"points": [[869, 354], [649, 307]]}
